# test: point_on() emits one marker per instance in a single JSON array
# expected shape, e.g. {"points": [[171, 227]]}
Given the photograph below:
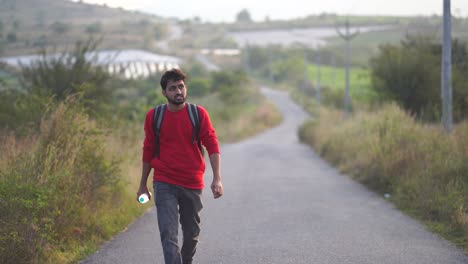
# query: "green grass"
{"points": [[8, 81], [360, 80]]}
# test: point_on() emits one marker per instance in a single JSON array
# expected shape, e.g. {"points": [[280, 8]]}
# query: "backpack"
{"points": [[194, 115]]}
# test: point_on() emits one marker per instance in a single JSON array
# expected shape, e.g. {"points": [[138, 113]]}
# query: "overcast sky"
{"points": [[226, 10]]}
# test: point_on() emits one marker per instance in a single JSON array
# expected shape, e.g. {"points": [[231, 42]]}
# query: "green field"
{"points": [[7, 81], [360, 80]]}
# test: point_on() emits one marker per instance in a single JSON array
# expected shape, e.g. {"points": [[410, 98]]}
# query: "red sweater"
{"points": [[180, 161]]}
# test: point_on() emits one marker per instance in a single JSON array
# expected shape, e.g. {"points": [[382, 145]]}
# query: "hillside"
{"points": [[26, 26], [29, 25]]}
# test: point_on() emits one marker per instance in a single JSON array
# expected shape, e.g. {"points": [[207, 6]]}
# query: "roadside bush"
{"points": [[53, 185], [199, 86], [409, 74], [423, 168], [70, 72], [133, 98], [21, 111], [233, 87]]}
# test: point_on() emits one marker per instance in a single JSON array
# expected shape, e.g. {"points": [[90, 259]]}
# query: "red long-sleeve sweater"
{"points": [[180, 161]]}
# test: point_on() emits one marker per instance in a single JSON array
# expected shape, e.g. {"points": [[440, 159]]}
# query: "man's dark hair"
{"points": [[173, 75]]}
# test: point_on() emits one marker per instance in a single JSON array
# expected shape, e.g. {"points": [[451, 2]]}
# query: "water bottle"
{"points": [[144, 198]]}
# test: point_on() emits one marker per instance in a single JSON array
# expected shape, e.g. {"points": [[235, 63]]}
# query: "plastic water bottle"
{"points": [[143, 198]]}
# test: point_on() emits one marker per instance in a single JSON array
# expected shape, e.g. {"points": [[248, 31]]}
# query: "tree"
{"points": [[243, 16], [11, 37], [199, 86], [94, 28], [40, 19], [41, 41], [16, 24], [60, 27], [409, 74], [160, 31], [70, 72], [231, 86], [258, 57]]}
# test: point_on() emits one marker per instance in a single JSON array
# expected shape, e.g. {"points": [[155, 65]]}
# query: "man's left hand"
{"points": [[217, 189]]}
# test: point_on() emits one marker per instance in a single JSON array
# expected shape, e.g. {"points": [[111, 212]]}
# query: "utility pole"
{"points": [[347, 36], [306, 72], [446, 86], [333, 70], [270, 68], [318, 78], [247, 58]]}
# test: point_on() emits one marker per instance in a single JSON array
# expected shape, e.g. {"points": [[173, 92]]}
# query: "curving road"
{"points": [[283, 204]]}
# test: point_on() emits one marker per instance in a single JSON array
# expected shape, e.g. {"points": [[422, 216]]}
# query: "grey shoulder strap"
{"points": [[194, 116], [158, 116]]}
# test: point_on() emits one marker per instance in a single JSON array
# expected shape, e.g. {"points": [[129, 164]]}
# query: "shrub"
{"points": [[232, 86], [423, 168], [52, 188], [409, 74], [21, 111], [199, 86], [70, 72]]}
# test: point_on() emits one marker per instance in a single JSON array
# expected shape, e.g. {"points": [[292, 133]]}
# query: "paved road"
{"points": [[283, 204]]}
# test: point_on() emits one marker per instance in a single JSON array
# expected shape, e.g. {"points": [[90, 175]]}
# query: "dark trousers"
{"points": [[173, 203]]}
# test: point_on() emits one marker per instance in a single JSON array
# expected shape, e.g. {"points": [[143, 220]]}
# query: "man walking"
{"points": [[173, 150]]}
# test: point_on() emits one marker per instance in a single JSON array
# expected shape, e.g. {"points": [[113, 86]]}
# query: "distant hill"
{"points": [[28, 25]]}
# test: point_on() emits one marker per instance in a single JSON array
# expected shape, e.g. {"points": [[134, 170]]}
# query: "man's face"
{"points": [[175, 92]]}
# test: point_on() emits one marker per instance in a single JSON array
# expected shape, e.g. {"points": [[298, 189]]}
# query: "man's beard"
{"points": [[176, 101]]}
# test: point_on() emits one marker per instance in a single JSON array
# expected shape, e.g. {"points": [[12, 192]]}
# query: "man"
{"points": [[178, 169]]}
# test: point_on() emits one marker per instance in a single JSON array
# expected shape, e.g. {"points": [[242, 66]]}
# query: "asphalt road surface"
{"points": [[283, 204]]}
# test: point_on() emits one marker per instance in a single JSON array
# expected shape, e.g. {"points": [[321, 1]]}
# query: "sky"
{"points": [[226, 10]]}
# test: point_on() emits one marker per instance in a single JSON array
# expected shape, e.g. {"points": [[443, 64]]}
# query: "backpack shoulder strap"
{"points": [[194, 116], [157, 121]]}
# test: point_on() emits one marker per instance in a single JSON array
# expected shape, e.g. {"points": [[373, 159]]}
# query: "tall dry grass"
{"points": [[234, 124], [63, 189], [422, 167]]}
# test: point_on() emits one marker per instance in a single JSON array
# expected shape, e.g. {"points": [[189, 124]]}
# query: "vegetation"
{"points": [[62, 189], [243, 16], [68, 73], [420, 166], [28, 25], [285, 67], [409, 74], [51, 79], [332, 80], [61, 181], [66, 185], [237, 107]]}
